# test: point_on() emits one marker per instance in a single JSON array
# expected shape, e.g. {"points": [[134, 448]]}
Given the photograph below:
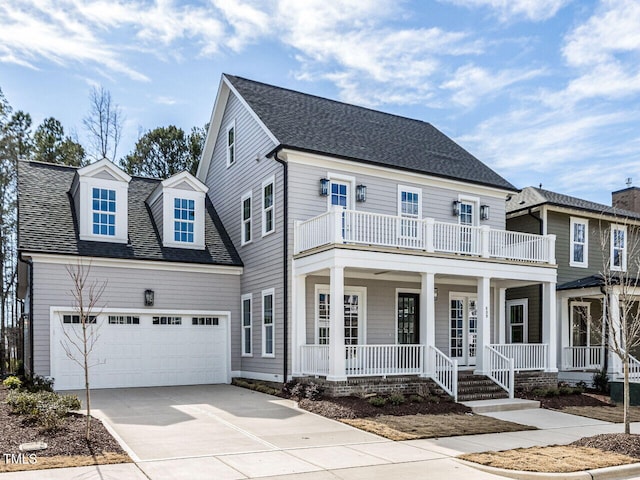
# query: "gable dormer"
{"points": [[177, 206], [100, 194]]}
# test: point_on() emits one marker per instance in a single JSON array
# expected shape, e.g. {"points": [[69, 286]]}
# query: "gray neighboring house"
{"points": [[374, 247], [582, 228], [172, 276]]}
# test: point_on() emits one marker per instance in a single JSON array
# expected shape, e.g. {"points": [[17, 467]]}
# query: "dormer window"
{"points": [[184, 214], [104, 211], [100, 194]]}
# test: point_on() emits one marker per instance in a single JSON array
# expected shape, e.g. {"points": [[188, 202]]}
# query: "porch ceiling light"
{"points": [[361, 193], [484, 212], [456, 208], [148, 298], [324, 187]]}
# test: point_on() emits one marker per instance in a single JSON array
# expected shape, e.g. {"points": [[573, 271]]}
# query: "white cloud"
{"points": [[534, 10]]}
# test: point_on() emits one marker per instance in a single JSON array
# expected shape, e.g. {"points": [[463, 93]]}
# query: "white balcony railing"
{"points": [[526, 356], [340, 226], [583, 358]]}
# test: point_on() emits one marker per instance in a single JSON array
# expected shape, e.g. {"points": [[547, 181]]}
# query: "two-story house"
{"points": [[373, 245], [592, 240]]}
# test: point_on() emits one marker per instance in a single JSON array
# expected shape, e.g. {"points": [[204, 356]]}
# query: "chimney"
{"points": [[627, 198]]}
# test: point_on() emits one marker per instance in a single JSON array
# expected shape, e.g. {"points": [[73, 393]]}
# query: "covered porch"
{"points": [[414, 315]]}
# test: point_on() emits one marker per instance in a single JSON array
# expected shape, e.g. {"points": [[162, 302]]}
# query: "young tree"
{"points": [[620, 246], [52, 146], [79, 343], [104, 124]]}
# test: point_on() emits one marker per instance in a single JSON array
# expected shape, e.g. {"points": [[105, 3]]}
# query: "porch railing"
{"points": [[526, 356], [315, 359], [445, 371], [370, 360], [339, 226], [501, 369], [634, 369], [583, 358]]}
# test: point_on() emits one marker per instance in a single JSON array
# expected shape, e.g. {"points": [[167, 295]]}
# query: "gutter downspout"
{"points": [[285, 262], [30, 267]]}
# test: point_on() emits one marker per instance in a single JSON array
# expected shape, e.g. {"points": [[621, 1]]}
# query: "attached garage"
{"points": [[143, 349]]}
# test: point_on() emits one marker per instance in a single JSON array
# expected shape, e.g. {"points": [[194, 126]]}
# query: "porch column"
{"points": [[501, 308], [615, 364], [336, 325], [299, 323], [427, 319], [484, 324], [550, 324], [565, 329]]}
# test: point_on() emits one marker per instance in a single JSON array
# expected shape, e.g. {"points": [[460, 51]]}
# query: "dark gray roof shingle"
{"points": [[532, 196], [310, 123], [47, 222]]}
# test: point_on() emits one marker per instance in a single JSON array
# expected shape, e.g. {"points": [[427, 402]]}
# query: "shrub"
{"points": [[314, 391], [582, 385], [299, 390], [47, 409], [378, 401], [12, 382], [416, 399], [565, 390], [397, 398], [601, 381], [38, 383]]}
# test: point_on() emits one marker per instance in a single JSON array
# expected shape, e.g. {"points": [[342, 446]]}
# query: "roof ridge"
{"points": [[73, 167]]}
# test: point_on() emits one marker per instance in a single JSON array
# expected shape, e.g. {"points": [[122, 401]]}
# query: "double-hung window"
{"points": [[268, 212], [619, 248], [104, 211], [268, 347], [579, 253], [247, 335], [184, 217], [410, 209], [246, 218], [231, 144]]}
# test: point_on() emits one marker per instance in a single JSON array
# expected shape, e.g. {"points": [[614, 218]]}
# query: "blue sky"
{"points": [[543, 91]]}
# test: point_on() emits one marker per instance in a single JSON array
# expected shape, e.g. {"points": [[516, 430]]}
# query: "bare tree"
{"points": [[620, 246], [104, 124], [79, 343]]}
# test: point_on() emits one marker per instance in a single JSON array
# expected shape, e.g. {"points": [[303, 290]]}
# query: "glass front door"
{"points": [[408, 318], [463, 329], [352, 312], [467, 219]]}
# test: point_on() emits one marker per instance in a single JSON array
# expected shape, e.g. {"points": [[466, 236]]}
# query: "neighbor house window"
{"points": [[231, 144], [268, 192], [579, 242], [247, 335], [246, 218], [104, 212], [618, 247], [124, 320], [76, 319], [267, 323], [409, 208], [184, 216]]}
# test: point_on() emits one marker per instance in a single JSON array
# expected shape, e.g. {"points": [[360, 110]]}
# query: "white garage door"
{"points": [[143, 350]]}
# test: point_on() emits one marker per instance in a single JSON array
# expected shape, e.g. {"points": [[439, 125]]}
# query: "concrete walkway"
{"points": [[224, 432]]}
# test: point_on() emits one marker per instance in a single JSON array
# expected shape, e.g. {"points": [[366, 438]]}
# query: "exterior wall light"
{"points": [[148, 298], [435, 294], [484, 212], [324, 187], [456, 208], [361, 193]]}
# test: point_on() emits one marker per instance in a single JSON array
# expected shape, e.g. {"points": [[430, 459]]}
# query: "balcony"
{"points": [[339, 226]]}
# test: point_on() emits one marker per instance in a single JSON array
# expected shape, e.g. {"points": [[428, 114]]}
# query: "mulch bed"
{"points": [[356, 407], [69, 440], [574, 400], [613, 442]]}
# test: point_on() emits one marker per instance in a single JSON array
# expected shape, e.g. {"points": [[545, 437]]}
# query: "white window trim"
{"points": [[348, 290], [244, 197], [476, 208], [466, 297], [168, 230], [398, 292], [405, 188], [525, 318], [351, 194], [231, 125], [246, 296], [580, 304], [585, 262], [271, 180], [266, 293], [623, 267], [87, 184]]}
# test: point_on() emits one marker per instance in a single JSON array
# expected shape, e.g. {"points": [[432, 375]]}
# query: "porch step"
{"points": [[478, 387], [501, 405]]}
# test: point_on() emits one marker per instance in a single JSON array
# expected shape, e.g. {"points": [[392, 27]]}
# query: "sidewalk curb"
{"points": [[607, 473]]}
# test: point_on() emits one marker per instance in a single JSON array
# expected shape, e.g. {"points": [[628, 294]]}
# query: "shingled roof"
{"points": [[532, 197], [314, 124], [47, 222]]}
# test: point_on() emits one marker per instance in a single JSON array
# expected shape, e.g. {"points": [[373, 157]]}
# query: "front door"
{"points": [[352, 316], [467, 220], [408, 318], [463, 329]]}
